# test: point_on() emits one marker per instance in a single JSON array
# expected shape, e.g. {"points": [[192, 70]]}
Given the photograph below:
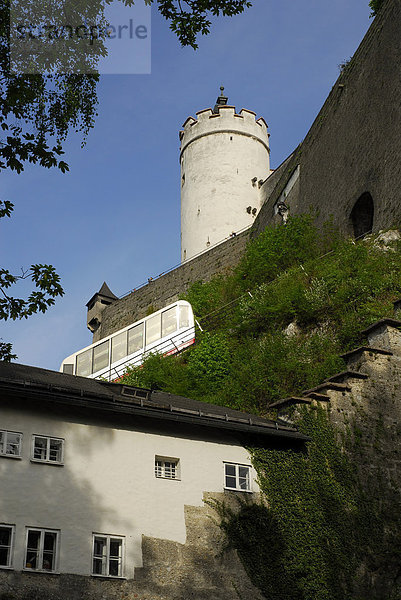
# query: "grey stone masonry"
{"points": [[364, 405], [366, 396]]}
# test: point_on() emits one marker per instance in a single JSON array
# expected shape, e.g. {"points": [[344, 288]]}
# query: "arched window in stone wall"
{"points": [[362, 215]]}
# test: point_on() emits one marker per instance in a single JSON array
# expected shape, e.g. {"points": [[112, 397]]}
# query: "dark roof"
{"points": [[104, 291], [52, 386]]}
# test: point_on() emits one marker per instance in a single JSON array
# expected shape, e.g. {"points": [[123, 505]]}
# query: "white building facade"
{"points": [[88, 468]]}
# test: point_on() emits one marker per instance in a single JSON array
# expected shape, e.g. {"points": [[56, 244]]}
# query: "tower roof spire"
{"points": [[221, 100]]}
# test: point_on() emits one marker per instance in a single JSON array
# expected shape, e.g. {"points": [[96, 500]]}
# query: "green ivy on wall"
{"points": [[318, 534]]}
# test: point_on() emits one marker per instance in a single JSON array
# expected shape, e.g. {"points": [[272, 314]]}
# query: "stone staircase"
{"points": [[365, 397]]}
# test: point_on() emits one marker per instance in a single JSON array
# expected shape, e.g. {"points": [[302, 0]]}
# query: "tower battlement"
{"points": [[225, 120]]}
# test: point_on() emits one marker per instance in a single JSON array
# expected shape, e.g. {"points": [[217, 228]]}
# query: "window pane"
{"points": [[135, 338], [153, 329], [2, 436], [100, 556], [84, 363], [101, 356], [98, 566], [56, 450], [99, 547], [5, 546], [33, 539], [49, 551], [13, 443], [40, 448], [32, 553], [5, 536], [169, 470], [115, 548], [115, 568], [118, 346], [115, 557], [169, 321], [230, 482], [158, 468], [50, 541], [4, 557], [230, 470], [68, 368], [184, 316], [244, 483]]}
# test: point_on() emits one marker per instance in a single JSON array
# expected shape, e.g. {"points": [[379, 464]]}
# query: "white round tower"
{"points": [[224, 158]]}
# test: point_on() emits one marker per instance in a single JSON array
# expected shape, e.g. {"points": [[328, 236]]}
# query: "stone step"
{"points": [[339, 377], [361, 349], [328, 385]]}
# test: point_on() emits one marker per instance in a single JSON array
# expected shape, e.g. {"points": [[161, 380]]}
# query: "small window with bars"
{"points": [[237, 477], [47, 449], [167, 468]]}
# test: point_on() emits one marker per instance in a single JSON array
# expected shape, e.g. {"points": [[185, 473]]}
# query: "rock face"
{"points": [[200, 569]]}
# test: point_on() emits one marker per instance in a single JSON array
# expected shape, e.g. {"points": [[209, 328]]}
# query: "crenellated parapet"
{"points": [[226, 120]]}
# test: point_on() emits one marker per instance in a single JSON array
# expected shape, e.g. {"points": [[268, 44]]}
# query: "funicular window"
{"points": [[184, 316], [118, 346], [101, 356], [84, 363], [153, 329], [135, 338], [169, 321]]}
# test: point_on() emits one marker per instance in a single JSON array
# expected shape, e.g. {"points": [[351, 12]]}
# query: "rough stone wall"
{"points": [[166, 289], [364, 405], [353, 144], [200, 569]]}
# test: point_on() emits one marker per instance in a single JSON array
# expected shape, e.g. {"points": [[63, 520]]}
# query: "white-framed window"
{"points": [[237, 477], [47, 449], [108, 555], [167, 468], [41, 549], [6, 545], [10, 443]]}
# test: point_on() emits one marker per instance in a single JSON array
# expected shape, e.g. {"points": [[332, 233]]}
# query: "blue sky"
{"points": [[116, 215]]}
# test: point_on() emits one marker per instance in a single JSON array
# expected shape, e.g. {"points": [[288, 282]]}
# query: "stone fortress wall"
{"points": [[353, 145], [347, 169]]}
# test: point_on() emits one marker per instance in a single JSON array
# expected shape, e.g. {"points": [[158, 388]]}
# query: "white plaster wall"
{"points": [[106, 485], [220, 156]]}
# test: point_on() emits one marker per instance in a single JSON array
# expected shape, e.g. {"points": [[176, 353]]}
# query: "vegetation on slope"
{"points": [[325, 288]]}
